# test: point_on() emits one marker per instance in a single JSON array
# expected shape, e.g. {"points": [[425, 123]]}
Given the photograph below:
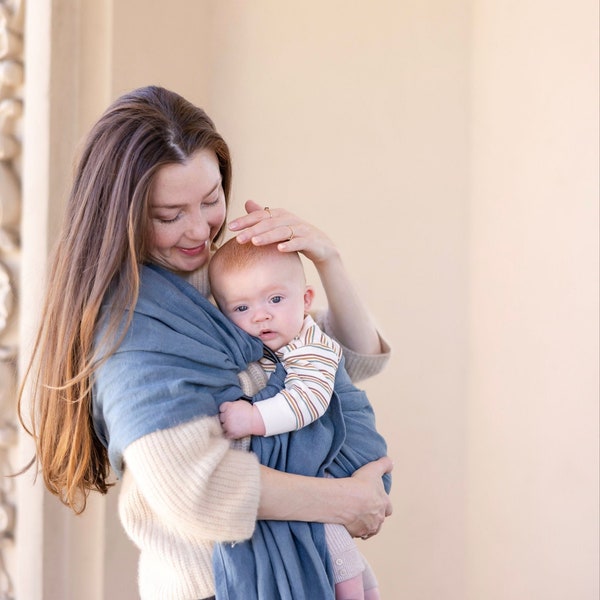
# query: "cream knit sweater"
{"points": [[185, 488]]}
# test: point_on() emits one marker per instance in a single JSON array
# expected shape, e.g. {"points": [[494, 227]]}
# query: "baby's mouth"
{"points": [[266, 333]]}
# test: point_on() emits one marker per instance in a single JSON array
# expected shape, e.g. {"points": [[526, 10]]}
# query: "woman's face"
{"points": [[187, 209]]}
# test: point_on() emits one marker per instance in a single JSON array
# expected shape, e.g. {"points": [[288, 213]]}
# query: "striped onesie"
{"points": [[311, 360]]}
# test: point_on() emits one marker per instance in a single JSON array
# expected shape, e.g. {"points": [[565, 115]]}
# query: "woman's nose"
{"points": [[199, 229]]}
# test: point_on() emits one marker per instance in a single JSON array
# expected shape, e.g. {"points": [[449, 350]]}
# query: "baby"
{"points": [[264, 292]]}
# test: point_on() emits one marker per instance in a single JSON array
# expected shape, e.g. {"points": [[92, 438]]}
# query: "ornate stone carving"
{"points": [[11, 109]]}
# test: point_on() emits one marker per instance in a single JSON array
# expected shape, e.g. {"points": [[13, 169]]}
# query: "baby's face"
{"points": [[268, 300]]}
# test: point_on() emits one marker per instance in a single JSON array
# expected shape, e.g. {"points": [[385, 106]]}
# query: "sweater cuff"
{"points": [[359, 366]]}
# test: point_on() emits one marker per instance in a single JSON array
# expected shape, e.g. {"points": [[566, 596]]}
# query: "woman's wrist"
{"points": [[289, 497], [329, 264], [350, 321], [358, 502]]}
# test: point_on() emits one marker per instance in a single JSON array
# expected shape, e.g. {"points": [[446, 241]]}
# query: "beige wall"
{"points": [[450, 149], [355, 116], [533, 303]]}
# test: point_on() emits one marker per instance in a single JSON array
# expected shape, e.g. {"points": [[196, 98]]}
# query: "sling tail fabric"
{"points": [[178, 361]]}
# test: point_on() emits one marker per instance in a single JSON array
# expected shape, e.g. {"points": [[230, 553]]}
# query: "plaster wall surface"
{"points": [[450, 150]]}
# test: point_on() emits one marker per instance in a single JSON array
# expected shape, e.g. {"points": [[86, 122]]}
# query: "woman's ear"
{"points": [[309, 294]]}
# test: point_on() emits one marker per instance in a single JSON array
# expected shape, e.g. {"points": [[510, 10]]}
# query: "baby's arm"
{"points": [[240, 418], [308, 388], [311, 363]]}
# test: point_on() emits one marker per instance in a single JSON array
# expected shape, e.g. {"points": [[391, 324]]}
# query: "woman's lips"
{"points": [[193, 251]]}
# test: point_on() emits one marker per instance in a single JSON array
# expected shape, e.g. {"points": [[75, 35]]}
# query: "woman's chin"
{"points": [[184, 261]]}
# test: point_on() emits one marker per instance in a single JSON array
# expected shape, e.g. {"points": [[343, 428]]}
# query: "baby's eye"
{"points": [[276, 299], [241, 308]]}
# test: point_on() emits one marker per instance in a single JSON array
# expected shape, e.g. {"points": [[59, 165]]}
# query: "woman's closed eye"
{"points": [[212, 202], [165, 219], [214, 198]]}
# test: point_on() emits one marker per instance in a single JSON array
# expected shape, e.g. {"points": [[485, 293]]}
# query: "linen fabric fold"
{"points": [[178, 361], [288, 560]]}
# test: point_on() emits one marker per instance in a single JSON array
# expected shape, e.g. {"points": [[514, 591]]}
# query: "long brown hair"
{"points": [[102, 243]]}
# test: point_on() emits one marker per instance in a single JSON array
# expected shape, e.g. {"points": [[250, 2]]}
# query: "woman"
{"points": [[131, 362]]}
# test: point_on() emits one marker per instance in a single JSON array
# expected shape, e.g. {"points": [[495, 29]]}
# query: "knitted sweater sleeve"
{"points": [[194, 482], [359, 366]]}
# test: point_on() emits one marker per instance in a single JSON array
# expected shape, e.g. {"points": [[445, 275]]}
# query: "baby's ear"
{"points": [[309, 294]]}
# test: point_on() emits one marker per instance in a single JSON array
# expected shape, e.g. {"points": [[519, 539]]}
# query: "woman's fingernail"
{"points": [[233, 225]]}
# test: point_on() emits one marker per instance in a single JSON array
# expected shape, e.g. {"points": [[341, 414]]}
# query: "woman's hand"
{"points": [[370, 503], [350, 321], [266, 225], [358, 502]]}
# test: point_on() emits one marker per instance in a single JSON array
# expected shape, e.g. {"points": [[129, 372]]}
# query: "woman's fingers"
{"points": [[377, 468], [252, 206], [378, 505], [384, 465], [256, 213], [266, 225]]}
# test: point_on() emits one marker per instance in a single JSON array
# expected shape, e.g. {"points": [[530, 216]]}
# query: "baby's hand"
{"points": [[240, 419]]}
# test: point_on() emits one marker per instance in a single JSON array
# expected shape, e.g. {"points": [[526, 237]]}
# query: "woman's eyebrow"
{"points": [[216, 187], [180, 204]]}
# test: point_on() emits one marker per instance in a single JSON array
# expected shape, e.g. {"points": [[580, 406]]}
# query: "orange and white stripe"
{"points": [[311, 360]]}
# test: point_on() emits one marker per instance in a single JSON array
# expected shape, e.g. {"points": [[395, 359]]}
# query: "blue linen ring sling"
{"points": [[178, 361]]}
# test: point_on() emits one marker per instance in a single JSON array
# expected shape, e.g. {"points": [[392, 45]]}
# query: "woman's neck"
{"points": [[199, 279]]}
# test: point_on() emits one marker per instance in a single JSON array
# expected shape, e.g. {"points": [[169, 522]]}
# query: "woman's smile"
{"points": [[194, 251], [187, 211]]}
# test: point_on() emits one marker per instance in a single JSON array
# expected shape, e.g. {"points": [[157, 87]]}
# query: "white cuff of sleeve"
{"points": [[277, 415]]}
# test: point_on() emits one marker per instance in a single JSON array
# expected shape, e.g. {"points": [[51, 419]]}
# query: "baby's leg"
{"points": [[372, 594], [370, 583], [347, 563], [350, 589]]}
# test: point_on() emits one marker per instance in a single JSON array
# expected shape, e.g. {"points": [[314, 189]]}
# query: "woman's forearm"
{"points": [[288, 497], [349, 318], [358, 502], [350, 321]]}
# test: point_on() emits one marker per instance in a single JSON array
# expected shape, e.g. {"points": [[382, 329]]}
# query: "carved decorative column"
{"points": [[11, 109]]}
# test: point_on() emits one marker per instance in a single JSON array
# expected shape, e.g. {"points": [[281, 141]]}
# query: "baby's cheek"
{"points": [[238, 320]]}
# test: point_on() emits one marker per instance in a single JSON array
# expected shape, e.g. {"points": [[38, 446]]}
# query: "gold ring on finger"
{"points": [[291, 233]]}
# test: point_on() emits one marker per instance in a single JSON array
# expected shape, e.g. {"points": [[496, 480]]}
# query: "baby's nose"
{"points": [[262, 315]]}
